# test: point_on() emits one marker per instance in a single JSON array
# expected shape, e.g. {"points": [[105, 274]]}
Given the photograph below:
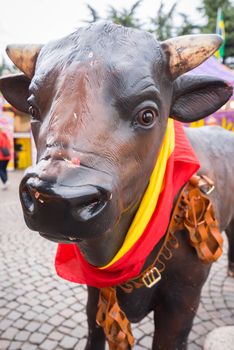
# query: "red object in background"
{"points": [[4, 143]]}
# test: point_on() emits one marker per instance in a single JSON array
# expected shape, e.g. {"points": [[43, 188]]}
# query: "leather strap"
{"points": [[113, 320], [194, 213], [201, 223]]}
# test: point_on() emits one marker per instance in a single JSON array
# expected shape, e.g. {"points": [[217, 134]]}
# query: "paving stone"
{"points": [[23, 308], [146, 341], [56, 335], [69, 293], [32, 326], [220, 339], [136, 347], [39, 309], [29, 315], [79, 332], [60, 306], [51, 312], [46, 328], [4, 344], [49, 345], [4, 311], [56, 320], [204, 316], [79, 317], [12, 305], [147, 328], [20, 323], [13, 315], [228, 320], [48, 303], [67, 313], [9, 333], [2, 302], [28, 346], [58, 298], [64, 330], [218, 322], [209, 307], [70, 301], [37, 338], [68, 342], [9, 296], [138, 333], [33, 302], [41, 318], [208, 325], [194, 347], [77, 307], [15, 345], [81, 344], [200, 329], [200, 341], [193, 336], [230, 304], [70, 324], [22, 335]]}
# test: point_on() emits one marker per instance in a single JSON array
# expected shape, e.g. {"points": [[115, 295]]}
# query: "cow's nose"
{"points": [[84, 201], [63, 209]]}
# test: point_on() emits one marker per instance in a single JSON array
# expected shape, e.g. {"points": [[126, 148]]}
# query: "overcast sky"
{"points": [[38, 21]]}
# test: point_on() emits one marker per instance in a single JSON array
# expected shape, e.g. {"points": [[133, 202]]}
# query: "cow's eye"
{"points": [[146, 117], [34, 112]]}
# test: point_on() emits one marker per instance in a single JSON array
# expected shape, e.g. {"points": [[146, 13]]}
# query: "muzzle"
{"points": [[77, 204]]}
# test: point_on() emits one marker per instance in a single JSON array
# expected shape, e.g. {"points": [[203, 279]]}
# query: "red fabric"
{"points": [[71, 265], [4, 142]]}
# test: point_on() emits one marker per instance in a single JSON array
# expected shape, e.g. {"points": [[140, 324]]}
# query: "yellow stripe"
{"points": [[150, 198]]}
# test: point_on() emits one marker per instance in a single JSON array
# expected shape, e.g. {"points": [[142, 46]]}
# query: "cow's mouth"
{"points": [[60, 238]]}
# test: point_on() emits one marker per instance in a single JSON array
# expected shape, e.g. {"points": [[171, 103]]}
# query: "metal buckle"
{"points": [[151, 277], [210, 190], [209, 182]]}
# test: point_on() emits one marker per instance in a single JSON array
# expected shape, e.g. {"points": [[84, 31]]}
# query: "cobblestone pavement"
{"points": [[40, 311]]}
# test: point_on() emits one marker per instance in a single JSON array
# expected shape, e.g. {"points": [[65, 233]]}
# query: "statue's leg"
{"points": [[230, 236], [177, 298], [96, 337], [174, 316]]}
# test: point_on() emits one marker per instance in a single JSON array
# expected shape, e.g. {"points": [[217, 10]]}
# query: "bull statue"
{"points": [[107, 105]]}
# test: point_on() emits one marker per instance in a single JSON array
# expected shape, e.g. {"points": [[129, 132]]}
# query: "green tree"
{"points": [[209, 10], [5, 68], [125, 17], [162, 24], [187, 27], [93, 13]]}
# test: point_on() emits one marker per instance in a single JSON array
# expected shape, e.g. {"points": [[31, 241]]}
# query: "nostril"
{"points": [[90, 206], [27, 200]]}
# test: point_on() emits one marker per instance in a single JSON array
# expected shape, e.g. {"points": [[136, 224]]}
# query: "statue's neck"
{"points": [[100, 251]]}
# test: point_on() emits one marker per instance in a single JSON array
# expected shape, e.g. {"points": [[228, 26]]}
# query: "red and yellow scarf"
{"points": [[176, 163]]}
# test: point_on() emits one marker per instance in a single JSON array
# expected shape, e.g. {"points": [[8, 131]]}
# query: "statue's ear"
{"points": [[15, 90], [196, 97]]}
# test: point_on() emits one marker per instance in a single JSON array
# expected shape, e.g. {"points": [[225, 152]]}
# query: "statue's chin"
{"points": [[66, 239], [100, 251]]}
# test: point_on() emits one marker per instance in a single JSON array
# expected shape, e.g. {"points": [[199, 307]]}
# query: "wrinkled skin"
{"points": [[88, 94]]}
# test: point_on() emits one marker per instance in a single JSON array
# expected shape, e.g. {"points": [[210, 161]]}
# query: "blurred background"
{"points": [[39, 310], [40, 21]]}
